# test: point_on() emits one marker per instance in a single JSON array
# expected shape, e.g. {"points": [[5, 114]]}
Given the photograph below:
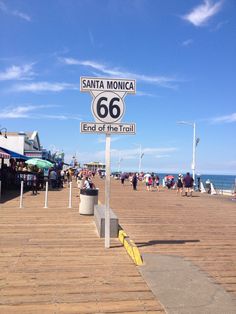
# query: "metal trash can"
{"points": [[88, 198]]}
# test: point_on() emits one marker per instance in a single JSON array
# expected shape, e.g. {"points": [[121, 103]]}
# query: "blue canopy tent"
{"points": [[14, 154]]}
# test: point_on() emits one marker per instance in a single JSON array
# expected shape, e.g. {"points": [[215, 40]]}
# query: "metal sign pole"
{"points": [[107, 192]]}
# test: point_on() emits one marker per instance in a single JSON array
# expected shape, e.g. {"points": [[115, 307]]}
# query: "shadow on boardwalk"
{"points": [[154, 242]]}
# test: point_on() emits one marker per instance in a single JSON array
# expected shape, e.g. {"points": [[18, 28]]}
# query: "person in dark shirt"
{"points": [[188, 184], [179, 184], [134, 181]]}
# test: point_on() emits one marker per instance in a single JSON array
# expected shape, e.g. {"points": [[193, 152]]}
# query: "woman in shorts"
{"points": [[179, 184]]}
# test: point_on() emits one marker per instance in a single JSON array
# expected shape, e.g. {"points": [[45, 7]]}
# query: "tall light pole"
{"points": [[195, 142], [5, 132], [119, 161], [140, 158]]}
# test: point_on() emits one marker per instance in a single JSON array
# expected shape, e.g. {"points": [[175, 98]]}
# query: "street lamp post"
{"points": [[194, 151], [119, 162], [195, 142], [140, 158], [5, 132]]}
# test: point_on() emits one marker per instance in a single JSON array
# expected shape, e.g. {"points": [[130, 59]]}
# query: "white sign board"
{"points": [[108, 128], [94, 84]]}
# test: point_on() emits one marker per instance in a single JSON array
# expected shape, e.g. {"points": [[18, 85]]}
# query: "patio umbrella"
{"points": [[40, 163], [170, 177]]}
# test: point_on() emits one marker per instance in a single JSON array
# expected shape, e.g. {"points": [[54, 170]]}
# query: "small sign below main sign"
{"points": [[108, 128]]}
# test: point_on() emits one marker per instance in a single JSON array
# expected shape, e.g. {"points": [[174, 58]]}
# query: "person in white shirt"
{"points": [[86, 184], [53, 178]]}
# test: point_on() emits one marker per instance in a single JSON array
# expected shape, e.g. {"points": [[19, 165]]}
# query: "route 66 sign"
{"points": [[108, 107]]}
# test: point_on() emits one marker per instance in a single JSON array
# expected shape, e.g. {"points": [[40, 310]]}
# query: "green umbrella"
{"points": [[40, 163]]}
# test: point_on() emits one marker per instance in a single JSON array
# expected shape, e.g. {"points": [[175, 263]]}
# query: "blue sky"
{"points": [[181, 54]]}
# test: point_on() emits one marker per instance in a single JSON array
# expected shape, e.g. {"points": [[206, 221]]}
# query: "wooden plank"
{"points": [[201, 229], [52, 261]]}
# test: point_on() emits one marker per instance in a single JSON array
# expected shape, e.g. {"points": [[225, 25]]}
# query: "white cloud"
{"points": [[200, 15], [219, 26], [135, 152], [44, 87], [16, 13], [126, 155], [17, 73], [18, 111], [30, 112], [162, 156], [187, 42], [3, 7], [164, 81], [22, 15], [21, 111], [140, 93], [225, 119], [60, 117], [91, 37]]}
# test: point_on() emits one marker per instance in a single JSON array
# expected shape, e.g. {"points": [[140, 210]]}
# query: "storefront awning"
{"points": [[13, 154], [4, 155]]}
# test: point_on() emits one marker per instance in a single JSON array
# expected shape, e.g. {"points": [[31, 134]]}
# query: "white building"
{"points": [[95, 166], [27, 144]]}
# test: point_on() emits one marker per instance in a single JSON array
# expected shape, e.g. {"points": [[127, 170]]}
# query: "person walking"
{"points": [[35, 184], [122, 178], [86, 184], [179, 184], [134, 181], [188, 184], [157, 181], [53, 178]]}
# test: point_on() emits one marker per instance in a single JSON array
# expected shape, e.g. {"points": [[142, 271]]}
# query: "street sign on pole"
{"points": [[108, 109]]}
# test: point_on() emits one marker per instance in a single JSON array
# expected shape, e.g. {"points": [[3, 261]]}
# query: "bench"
{"points": [[99, 217]]}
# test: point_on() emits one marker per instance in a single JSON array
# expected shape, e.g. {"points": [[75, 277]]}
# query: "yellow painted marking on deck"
{"points": [[130, 247]]}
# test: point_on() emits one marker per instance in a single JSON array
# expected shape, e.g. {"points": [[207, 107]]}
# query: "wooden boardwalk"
{"points": [[52, 261], [202, 229]]}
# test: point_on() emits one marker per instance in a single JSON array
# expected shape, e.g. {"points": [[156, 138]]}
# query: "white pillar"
{"points": [[213, 191], [119, 162], [202, 188], [107, 192], [46, 195], [194, 152], [140, 159]]}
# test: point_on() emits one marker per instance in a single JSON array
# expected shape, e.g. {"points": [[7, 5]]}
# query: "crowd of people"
{"points": [[184, 185], [34, 178]]}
